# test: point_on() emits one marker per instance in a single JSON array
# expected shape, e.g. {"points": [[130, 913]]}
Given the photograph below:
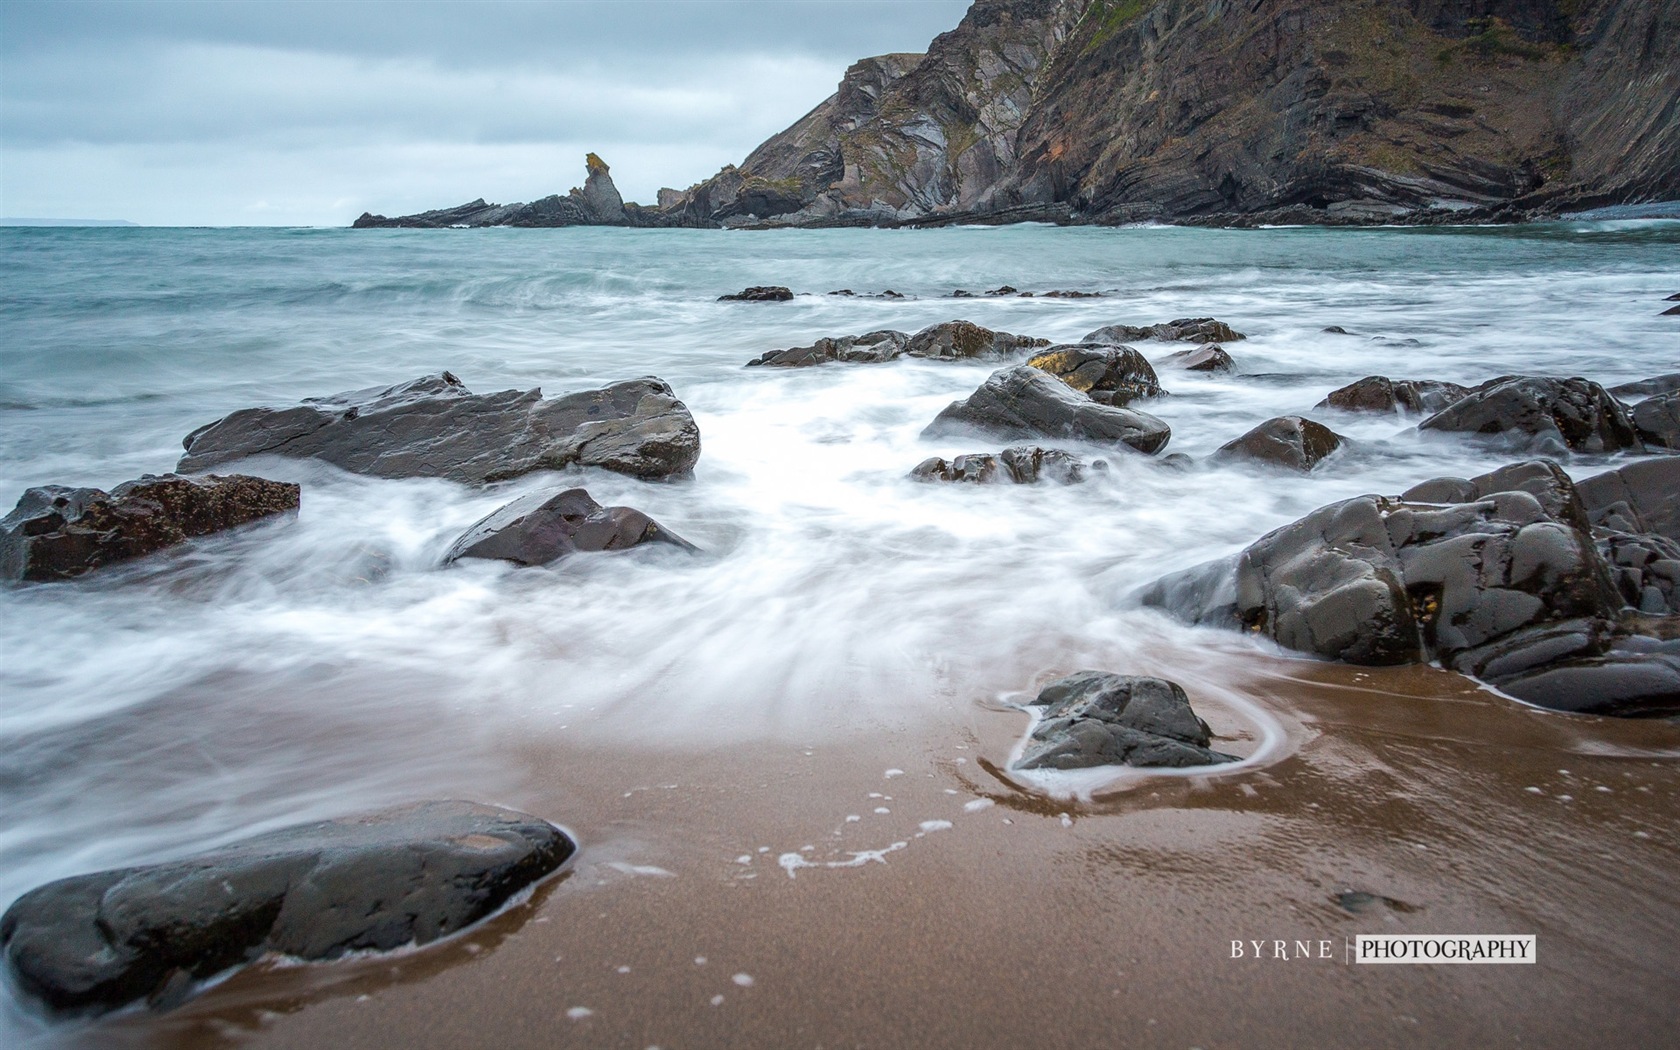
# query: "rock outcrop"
{"points": [[1539, 414], [1503, 577], [1202, 359], [539, 529], [1643, 388], [1414, 397], [1022, 465], [1183, 330], [58, 533], [1657, 419], [1287, 111], [316, 891], [759, 293], [596, 203], [1290, 442], [1023, 403], [965, 340], [1092, 718], [435, 427], [869, 348], [1111, 375]]}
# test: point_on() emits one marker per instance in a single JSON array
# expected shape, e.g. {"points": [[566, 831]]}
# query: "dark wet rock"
{"points": [[1287, 441], [1063, 293], [435, 427], [1497, 577], [1675, 298], [538, 529], [1183, 330], [771, 293], [1024, 402], [1663, 384], [1202, 359], [1092, 718], [1335, 329], [870, 348], [1407, 396], [1022, 465], [1003, 290], [1642, 497], [57, 533], [964, 340], [1540, 414], [1658, 420], [1175, 461], [314, 891], [1112, 375], [1673, 311]]}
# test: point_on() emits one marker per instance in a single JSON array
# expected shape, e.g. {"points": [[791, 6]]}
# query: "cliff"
{"points": [[1213, 111]]}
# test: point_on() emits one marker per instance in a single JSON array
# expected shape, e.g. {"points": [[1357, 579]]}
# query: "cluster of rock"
{"points": [[1020, 465], [947, 341], [1517, 577]]}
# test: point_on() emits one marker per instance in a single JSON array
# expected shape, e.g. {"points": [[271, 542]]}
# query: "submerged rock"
{"points": [[1203, 359], [1111, 375], [58, 533], [964, 340], [1663, 384], [1497, 577], [1291, 442], [314, 891], [538, 529], [1024, 402], [1023, 465], [1183, 330], [1092, 718], [1406, 396], [435, 427], [869, 348], [765, 293], [1540, 414], [1657, 419]]}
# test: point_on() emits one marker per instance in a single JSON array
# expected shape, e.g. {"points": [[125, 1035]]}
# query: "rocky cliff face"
{"points": [[1229, 111]]}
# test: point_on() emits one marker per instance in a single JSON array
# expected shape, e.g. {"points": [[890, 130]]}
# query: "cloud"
{"points": [[308, 113]]}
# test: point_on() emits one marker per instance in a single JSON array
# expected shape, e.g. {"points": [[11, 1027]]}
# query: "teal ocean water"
{"points": [[308, 668]]}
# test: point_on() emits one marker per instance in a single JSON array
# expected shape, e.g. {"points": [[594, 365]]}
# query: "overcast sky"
{"points": [[309, 113]]}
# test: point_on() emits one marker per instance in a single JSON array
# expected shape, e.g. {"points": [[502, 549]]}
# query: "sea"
{"points": [[326, 663]]}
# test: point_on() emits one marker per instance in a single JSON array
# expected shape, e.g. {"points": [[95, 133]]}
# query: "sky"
{"points": [[281, 112]]}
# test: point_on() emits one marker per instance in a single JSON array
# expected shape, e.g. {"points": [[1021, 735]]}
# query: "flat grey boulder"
{"points": [[1641, 497], [1540, 414], [435, 427], [1290, 442], [538, 529], [1201, 359], [1107, 374], [59, 533], [1658, 420], [869, 348], [1412, 397], [1021, 465], [1092, 718], [1023, 403], [315, 891], [965, 340], [1183, 330], [1663, 384]]}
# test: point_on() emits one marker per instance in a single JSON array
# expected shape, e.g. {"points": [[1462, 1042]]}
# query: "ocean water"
{"points": [[311, 667]]}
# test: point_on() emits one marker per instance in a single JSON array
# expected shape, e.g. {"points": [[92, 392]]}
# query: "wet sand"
{"points": [[1037, 922]]}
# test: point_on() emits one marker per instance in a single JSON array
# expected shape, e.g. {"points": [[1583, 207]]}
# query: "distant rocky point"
{"points": [[1350, 112]]}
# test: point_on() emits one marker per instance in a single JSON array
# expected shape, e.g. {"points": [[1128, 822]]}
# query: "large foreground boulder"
{"points": [[1500, 577], [1291, 442], [869, 348], [1022, 465], [1110, 375], [1023, 402], [57, 533], [1414, 397], [1183, 330], [538, 529], [1092, 718], [435, 427], [1541, 415], [965, 340], [315, 891]]}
